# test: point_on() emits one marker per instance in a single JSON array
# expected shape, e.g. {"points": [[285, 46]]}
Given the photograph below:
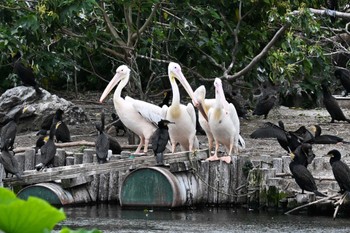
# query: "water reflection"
{"points": [[111, 218]]}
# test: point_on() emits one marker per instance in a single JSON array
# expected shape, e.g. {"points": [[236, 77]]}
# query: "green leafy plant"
{"points": [[31, 216]]}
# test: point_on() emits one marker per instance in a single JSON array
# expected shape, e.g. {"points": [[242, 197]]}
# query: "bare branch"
{"points": [[111, 51], [257, 58], [326, 12], [110, 26], [147, 22], [128, 19]]}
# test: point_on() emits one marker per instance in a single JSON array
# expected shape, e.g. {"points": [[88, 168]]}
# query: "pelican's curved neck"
{"points": [[176, 92], [118, 91]]}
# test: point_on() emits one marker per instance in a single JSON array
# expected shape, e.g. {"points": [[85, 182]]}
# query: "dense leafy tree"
{"points": [[289, 44]]}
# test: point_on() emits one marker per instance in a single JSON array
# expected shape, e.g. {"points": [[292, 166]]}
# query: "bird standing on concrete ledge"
{"points": [[160, 140]]}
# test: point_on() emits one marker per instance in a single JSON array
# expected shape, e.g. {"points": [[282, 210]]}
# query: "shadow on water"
{"points": [[111, 218]]}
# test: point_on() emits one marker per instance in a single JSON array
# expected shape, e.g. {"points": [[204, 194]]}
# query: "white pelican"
{"points": [[200, 93], [139, 116], [224, 123], [184, 117], [206, 104]]}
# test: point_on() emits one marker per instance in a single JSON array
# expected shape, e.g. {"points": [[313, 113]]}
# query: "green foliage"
{"points": [[31, 216], [56, 37]]}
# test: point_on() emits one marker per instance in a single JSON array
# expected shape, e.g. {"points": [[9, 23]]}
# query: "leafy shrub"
{"points": [[31, 216]]}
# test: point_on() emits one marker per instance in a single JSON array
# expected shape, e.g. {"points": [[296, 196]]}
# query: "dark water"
{"points": [[111, 218]]}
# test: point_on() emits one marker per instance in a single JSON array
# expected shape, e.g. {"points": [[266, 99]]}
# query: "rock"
{"points": [[38, 107]]}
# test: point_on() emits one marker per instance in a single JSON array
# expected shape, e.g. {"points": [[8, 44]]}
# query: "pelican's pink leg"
{"points": [[215, 156], [173, 147], [227, 158], [210, 143], [145, 149], [142, 141]]}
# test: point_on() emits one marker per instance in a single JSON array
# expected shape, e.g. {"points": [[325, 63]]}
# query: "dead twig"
{"points": [[312, 203]]}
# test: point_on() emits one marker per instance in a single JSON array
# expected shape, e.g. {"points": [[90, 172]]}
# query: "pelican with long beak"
{"points": [[184, 116], [224, 124], [139, 116], [207, 104]]}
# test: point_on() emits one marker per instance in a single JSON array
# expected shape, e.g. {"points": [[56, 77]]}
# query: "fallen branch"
{"points": [[339, 203], [75, 143], [312, 203]]}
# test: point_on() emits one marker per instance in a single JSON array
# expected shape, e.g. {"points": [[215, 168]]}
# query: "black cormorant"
{"points": [[166, 99], [102, 141], [265, 103], [325, 138], [48, 150], [62, 131], [114, 145], [288, 140], [118, 125], [9, 161], [26, 74], [344, 77], [46, 124], [341, 171], [305, 149], [332, 106], [301, 174], [160, 140], [9, 131], [43, 138]]}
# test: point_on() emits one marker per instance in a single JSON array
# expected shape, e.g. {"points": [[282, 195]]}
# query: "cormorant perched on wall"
{"points": [[62, 131], [118, 125], [265, 103], [288, 140], [332, 106], [48, 150], [325, 138], [9, 161], [114, 145], [341, 171], [102, 141], [344, 77], [305, 149], [43, 138], [26, 74], [9, 131], [46, 124], [302, 176], [160, 140]]}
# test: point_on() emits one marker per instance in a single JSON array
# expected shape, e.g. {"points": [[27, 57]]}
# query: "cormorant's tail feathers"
{"points": [[317, 193]]}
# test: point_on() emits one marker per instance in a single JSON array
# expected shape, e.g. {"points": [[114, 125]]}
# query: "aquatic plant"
{"points": [[33, 215]]}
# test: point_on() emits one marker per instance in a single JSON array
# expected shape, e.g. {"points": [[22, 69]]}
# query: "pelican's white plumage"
{"points": [[199, 94], [224, 123], [139, 116], [184, 116]]}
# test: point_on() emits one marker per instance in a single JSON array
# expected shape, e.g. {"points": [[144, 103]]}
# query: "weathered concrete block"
{"points": [[69, 160], [29, 161], [78, 158], [60, 158], [277, 164], [265, 161], [88, 155], [286, 161]]}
